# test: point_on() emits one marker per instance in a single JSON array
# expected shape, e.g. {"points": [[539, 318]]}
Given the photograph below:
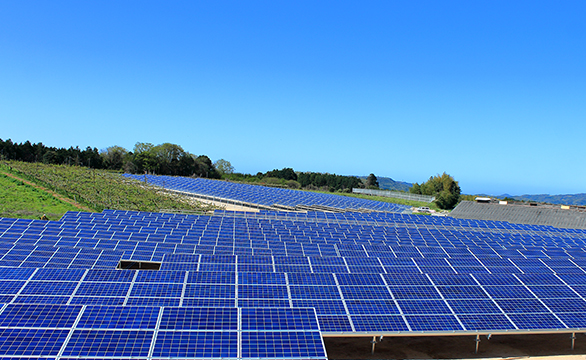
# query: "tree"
{"points": [[224, 167], [372, 182], [113, 157], [445, 189], [285, 173]]}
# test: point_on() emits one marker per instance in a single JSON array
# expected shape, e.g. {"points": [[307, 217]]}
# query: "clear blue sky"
{"points": [[491, 92]]}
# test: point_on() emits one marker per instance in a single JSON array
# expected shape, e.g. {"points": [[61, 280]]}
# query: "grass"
{"points": [[19, 200], [98, 189]]}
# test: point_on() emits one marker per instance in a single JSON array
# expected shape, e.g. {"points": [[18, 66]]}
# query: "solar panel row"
{"points": [[158, 332], [240, 286], [262, 195]]}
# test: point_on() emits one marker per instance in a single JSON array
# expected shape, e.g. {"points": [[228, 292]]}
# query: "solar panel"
{"points": [[119, 317], [109, 343], [189, 344], [282, 344], [433, 323], [41, 316], [437, 279], [31, 342]]}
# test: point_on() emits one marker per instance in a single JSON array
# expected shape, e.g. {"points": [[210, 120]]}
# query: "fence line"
{"points": [[395, 194]]}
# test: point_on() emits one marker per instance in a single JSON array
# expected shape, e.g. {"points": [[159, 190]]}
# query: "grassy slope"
{"points": [[98, 189], [19, 200]]}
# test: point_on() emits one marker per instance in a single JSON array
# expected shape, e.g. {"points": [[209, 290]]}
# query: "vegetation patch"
{"points": [[99, 189], [19, 200]]}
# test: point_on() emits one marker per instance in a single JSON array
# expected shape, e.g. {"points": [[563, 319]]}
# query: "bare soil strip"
{"points": [[52, 193]]}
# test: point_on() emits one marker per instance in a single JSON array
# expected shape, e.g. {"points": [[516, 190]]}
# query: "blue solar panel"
{"points": [[49, 288], [119, 317], [486, 321], [31, 342], [536, 321], [415, 292], [576, 320], [188, 344], [462, 292], [366, 292], [311, 279], [508, 292], [199, 319], [282, 344], [365, 307], [520, 306], [109, 343], [32, 316], [472, 306], [10, 287], [433, 323], [334, 323], [379, 323], [102, 289], [212, 278], [423, 307], [278, 319], [156, 290], [314, 292], [210, 291]]}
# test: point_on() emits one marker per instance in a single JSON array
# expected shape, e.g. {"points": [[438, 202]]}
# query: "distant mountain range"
{"points": [[386, 183], [567, 199]]}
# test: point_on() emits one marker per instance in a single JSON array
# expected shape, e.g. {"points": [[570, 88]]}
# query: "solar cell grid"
{"points": [[314, 292], [433, 323], [31, 342], [49, 288], [379, 323], [184, 318], [108, 343], [282, 344], [96, 300], [37, 316], [102, 289], [220, 291], [156, 290], [322, 307], [537, 321], [262, 292], [279, 319], [366, 292], [119, 317], [486, 321]]}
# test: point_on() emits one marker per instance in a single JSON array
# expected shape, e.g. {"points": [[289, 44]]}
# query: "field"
{"points": [[20, 200], [96, 190]]}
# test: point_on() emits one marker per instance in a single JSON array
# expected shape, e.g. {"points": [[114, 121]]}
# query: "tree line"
{"points": [[445, 189], [163, 159], [28, 152], [287, 177]]}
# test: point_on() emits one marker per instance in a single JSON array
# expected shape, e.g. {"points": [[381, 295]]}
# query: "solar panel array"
{"points": [[271, 284], [255, 194]]}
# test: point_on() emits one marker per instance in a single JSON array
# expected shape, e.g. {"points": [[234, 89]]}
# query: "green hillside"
{"points": [[19, 200], [386, 183], [95, 189], [567, 199]]}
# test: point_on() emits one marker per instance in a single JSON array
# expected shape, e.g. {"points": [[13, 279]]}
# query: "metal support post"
{"points": [[477, 343], [573, 340], [373, 342]]}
